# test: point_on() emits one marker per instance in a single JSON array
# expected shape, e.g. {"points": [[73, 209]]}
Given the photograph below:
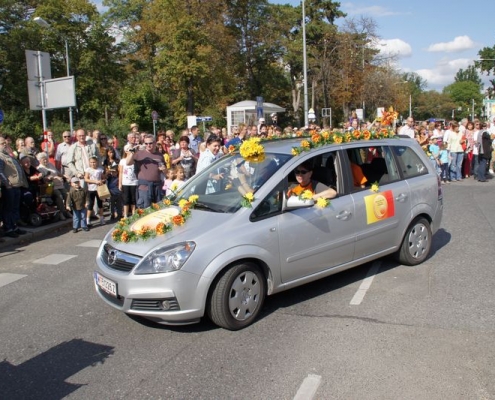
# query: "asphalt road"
{"points": [[424, 332]]}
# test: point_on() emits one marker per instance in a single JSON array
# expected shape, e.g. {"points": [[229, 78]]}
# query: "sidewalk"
{"points": [[35, 233]]}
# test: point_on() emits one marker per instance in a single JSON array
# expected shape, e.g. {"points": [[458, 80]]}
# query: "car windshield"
{"points": [[221, 186]]}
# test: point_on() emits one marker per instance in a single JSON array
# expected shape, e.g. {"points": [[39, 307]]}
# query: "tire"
{"points": [[35, 219], [416, 244], [237, 297]]}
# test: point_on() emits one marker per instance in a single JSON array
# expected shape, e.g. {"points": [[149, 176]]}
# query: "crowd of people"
{"points": [[85, 171]]}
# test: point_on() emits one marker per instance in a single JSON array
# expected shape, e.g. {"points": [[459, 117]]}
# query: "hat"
{"points": [[134, 125], [273, 114], [261, 120], [127, 147], [74, 179]]}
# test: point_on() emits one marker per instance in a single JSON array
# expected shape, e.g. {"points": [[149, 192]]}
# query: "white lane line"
{"points": [[365, 284], [91, 243], [308, 388], [54, 259], [7, 278]]}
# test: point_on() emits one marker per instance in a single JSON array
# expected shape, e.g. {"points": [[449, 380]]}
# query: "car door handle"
{"points": [[401, 197], [343, 215]]}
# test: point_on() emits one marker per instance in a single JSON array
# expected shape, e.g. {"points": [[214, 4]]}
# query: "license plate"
{"points": [[106, 284]]}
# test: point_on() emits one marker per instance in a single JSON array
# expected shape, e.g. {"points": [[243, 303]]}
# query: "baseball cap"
{"points": [[74, 179], [261, 120]]}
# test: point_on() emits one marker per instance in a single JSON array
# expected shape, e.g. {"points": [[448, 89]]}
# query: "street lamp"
{"points": [[41, 22], [305, 66]]}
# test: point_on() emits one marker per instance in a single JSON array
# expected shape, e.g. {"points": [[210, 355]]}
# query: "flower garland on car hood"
{"points": [[153, 221]]}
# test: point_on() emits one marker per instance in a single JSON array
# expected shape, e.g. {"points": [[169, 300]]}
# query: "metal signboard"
{"points": [[60, 92], [33, 68]]}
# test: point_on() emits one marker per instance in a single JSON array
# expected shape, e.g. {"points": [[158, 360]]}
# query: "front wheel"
{"points": [[416, 244], [237, 297]]}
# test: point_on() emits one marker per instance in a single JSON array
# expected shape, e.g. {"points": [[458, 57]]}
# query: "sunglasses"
{"points": [[65, 137], [300, 172], [148, 143]]}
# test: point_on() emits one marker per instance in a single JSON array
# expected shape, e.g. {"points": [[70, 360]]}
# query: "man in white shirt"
{"points": [[60, 155], [408, 128]]}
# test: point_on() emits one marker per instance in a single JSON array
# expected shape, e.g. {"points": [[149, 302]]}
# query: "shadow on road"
{"points": [[43, 376]]}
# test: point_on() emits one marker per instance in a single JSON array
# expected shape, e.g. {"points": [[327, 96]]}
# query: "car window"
{"points": [[271, 205], [221, 186], [409, 162]]}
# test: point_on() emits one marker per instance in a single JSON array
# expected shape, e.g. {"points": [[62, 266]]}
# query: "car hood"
{"points": [[199, 224]]}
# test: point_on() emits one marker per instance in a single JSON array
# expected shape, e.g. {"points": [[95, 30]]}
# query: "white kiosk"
{"points": [[244, 112]]}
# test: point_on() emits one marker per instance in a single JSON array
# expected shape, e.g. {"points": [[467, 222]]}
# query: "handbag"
{"points": [[103, 192]]}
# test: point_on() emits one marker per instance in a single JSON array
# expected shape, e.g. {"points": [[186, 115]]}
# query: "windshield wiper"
{"points": [[203, 206]]}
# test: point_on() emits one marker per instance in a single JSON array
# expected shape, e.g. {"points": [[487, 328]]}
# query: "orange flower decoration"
{"points": [[299, 133], [337, 139], [124, 237], [167, 202], [231, 149], [356, 134], [160, 228], [366, 135], [178, 220], [155, 206], [315, 138], [140, 211]]}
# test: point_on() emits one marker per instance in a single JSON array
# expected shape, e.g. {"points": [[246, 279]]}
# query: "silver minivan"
{"points": [[218, 250]]}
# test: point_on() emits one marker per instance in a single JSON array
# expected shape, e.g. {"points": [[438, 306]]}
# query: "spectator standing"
{"points": [[408, 128], [79, 154], [77, 202], [444, 163], [116, 201], [211, 154], [61, 154], [194, 139], [186, 157], [485, 152], [94, 176], [52, 146], [149, 166], [128, 184], [467, 163], [12, 179], [456, 152], [476, 148], [19, 147], [30, 150]]}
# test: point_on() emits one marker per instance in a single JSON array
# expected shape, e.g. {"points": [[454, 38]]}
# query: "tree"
{"points": [[462, 94], [487, 64]]}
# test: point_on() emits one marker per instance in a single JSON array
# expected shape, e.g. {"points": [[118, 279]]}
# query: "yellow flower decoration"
{"points": [[247, 199], [252, 150], [322, 203], [306, 195], [193, 198], [375, 187], [305, 144]]}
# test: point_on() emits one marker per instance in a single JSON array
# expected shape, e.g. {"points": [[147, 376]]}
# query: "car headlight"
{"points": [[166, 259]]}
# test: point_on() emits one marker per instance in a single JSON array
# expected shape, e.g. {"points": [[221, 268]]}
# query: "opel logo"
{"points": [[112, 257]]}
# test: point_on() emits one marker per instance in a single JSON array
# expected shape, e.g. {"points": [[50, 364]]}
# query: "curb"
{"points": [[35, 233]]}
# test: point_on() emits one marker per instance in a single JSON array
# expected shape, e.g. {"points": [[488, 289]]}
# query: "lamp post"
{"points": [[41, 22], [305, 66]]}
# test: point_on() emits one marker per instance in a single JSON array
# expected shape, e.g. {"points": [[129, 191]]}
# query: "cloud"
{"points": [[460, 43], [444, 72], [372, 11], [394, 47]]}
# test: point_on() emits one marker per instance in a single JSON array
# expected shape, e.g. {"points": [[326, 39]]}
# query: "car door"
{"points": [[315, 239], [381, 214]]}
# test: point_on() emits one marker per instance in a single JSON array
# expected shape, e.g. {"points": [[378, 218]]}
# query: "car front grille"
{"points": [[117, 259], [154, 304]]}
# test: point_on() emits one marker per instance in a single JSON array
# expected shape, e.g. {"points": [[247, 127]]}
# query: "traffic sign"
{"points": [[204, 119], [1, 116], [154, 116]]}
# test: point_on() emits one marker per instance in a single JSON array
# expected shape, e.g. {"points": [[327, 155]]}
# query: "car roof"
{"points": [[284, 146]]}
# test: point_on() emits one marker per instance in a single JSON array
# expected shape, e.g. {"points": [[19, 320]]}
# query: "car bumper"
{"points": [[163, 298]]}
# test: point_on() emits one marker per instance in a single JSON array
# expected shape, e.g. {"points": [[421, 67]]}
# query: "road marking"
{"points": [[308, 388], [54, 259], [91, 243], [7, 278], [365, 284]]}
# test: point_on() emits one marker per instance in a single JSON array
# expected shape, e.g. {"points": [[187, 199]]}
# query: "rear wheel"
{"points": [[416, 244], [237, 297]]}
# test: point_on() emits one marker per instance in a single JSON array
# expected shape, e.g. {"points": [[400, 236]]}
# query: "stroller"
{"points": [[39, 207]]}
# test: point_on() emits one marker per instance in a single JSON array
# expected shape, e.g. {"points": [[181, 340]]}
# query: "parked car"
{"points": [[227, 257]]}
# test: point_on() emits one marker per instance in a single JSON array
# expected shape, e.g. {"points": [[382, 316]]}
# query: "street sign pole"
{"points": [[42, 88], [154, 117]]}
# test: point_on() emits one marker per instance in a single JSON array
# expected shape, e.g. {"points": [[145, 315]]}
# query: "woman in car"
{"points": [[303, 173]]}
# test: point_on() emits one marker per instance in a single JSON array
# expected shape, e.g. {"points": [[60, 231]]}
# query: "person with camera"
{"points": [[149, 167]]}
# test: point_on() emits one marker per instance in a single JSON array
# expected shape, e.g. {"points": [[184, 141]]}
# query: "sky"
{"points": [[432, 38]]}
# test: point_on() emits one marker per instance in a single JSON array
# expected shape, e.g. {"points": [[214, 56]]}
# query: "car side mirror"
{"points": [[294, 202]]}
